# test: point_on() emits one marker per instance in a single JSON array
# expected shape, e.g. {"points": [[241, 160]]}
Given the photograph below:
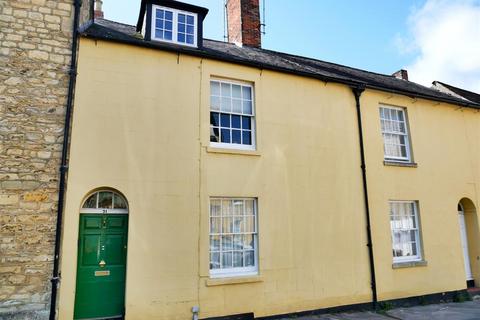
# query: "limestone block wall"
{"points": [[35, 42]]}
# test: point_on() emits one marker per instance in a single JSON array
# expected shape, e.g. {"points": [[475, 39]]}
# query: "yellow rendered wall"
{"points": [[141, 126]]}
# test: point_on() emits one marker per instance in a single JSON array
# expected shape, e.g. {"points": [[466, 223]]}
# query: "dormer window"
{"points": [[174, 26], [171, 22]]}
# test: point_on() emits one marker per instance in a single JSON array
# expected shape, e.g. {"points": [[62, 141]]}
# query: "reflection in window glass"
{"points": [[233, 236], [119, 202], [105, 200], [405, 231], [91, 202]]}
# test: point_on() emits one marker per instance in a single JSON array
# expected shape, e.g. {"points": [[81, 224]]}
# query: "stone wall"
{"points": [[35, 42]]}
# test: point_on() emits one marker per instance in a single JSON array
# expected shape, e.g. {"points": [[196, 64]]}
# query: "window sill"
{"points": [[400, 164], [212, 282], [233, 151], [409, 264]]}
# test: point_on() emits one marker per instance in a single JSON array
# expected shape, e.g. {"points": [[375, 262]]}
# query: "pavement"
{"points": [[469, 310]]}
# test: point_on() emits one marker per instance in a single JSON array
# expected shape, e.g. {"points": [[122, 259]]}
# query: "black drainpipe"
{"points": [[357, 92], [63, 165]]}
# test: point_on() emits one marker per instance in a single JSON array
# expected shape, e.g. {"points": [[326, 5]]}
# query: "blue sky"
{"points": [[377, 35]]}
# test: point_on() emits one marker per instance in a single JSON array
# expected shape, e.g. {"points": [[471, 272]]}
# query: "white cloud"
{"points": [[446, 35]]}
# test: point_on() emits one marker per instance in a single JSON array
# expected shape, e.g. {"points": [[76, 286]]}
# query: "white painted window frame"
{"points": [[236, 146], [408, 158], [418, 242], [175, 26], [235, 272]]}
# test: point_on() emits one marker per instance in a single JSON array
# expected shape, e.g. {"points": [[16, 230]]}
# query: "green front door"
{"points": [[101, 266]]}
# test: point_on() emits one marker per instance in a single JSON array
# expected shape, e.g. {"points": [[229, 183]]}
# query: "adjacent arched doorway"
{"points": [[469, 236], [101, 258]]}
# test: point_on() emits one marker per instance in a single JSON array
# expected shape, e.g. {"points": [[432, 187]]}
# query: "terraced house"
{"points": [[213, 179]]}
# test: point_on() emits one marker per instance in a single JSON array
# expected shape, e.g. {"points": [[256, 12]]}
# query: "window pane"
{"points": [[91, 202], [238, 207], [190, 39], [215, 119], [190, 20], [249, 258], [247, 137], [226, 90], [237, 91], [247, 93], [226, 105], [227, 243], [181, 18], [236, 136], [227, 209], [215, 208], [238, 242], [215, 225], [168, 25], [215, 243], [215, 88], [227, 226], [225, 120], [227, 259], [250, 224], [105, 200], [169, 15], [238, 259], [119, 202], [248, 241], [190, 30], [237, 105], [181, 28], [225, 136], [215, 103], [236, 123], [181, 37], [214, 134], [249, 207], [159, 14], [168, 35], [158, 34], [238, 225], [247, 107], [215, 260], [246, 123]]}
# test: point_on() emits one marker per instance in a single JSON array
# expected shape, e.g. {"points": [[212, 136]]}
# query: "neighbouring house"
{"points": [[287, 185], [456, 92]]}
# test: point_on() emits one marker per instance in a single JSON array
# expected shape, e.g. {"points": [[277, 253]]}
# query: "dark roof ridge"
{"points": [[113, 21], [324, 61]]}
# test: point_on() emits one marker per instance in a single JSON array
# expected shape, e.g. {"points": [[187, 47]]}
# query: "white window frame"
{"points": [[408, 158], [235, 272], [236, 146], [175, 26], [418, 239]]}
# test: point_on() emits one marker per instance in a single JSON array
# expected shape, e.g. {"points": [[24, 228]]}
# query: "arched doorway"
{"points": [[469, 236], [101, 258]]}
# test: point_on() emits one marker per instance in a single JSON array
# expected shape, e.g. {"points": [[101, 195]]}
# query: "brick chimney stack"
{"points": [[244, 22], [98, 13], [401, 74]]}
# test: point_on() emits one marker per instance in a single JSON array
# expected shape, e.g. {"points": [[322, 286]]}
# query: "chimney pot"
{"points": [[244, 22], [401, 74], [98, 13]]}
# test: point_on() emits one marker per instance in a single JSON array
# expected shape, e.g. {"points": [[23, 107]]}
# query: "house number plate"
{"points": [[102, 273]]}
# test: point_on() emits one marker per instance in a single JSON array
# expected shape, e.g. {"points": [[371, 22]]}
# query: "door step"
{"points": [[474, 293]]}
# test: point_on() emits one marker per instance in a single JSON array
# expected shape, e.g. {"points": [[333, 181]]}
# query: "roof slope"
{"points": [[469, 95], [271, 60]]}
